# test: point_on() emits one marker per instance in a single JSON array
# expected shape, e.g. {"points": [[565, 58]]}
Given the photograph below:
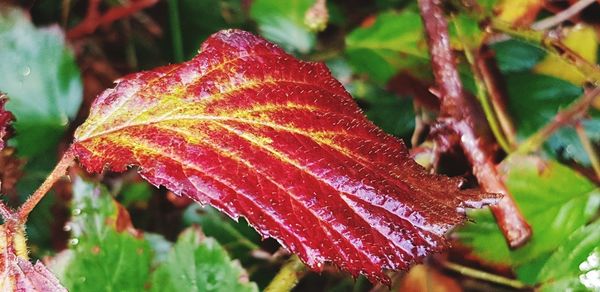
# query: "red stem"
{"points": [[59, 171], [459, 114]]}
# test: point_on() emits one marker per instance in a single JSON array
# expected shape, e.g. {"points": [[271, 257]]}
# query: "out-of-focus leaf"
{"points": [[282, 22], [566, 143], [238, 238], [464, 32], [41, 78], [394, 114], [135, 193], [16, 272], [575, 266], [535, 99], [393, 42], [105, 253], [222, 127], [515, 55], [519, 12], [197, 263], [583, 40], [199, 19], [554, 199]]}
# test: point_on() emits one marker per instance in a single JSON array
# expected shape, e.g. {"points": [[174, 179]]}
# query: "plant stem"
{"points": [[481, 275], [560, 17], [459, 113], [175, 30], [482, 93], [567, 116], [59, 171], [589, 148], [288, 277]]}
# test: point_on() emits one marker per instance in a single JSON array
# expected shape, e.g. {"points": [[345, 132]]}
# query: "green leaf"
{"points": [[394, 42], [394, 114], [200, 19], [282, 22], [554, 199], [199, 264], [101, 256], [535, 99], [41, 78], [575, 266], [238, 238], [565, 143], [514, 55]]}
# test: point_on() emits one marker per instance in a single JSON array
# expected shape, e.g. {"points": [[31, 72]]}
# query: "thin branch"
{"points": [[483, 93], [589, 148], [565, 117], [486, 62], [288, 276], [560, 17], [59, 171], [93, 19], [485, 276], [459, 114]]}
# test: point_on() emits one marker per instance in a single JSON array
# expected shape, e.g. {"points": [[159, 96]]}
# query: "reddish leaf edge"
{"points": [[480, 198]]}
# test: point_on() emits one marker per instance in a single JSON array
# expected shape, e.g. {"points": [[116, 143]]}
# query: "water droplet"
{"points": [[82, 279], [76, 212], [73, 241], [67, 227], [26, 71]]}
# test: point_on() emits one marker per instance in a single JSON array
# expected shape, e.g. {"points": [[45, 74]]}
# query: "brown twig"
{"points": [[93, 19], [458, 114], [486, 63], [59, 171]]}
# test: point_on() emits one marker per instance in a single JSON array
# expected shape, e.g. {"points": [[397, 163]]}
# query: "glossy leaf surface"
{"points": [[256, 133]]}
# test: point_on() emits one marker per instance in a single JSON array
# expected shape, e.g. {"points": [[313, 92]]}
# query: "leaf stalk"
{"points": [[59, 171]]}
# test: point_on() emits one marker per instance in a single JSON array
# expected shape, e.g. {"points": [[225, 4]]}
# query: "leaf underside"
{"points": [[251, 130]]}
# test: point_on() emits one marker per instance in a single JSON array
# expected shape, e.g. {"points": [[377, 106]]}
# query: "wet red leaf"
{"points": [[249, 129]]}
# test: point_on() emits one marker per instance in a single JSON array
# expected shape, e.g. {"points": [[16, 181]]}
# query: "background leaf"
{"points": [[104, 254], [282, 22], [555, 200], [393, 42], [197, 263]]}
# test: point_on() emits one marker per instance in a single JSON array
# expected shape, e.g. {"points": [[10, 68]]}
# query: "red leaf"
{"points": [[5, 118], [16, 272], [254, 132]]}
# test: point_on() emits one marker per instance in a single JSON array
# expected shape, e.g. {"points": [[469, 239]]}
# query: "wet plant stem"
{"points": [[459, 113], [565, 117], [59, 171], [485, 276], [482, 93], [288, 276]]}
